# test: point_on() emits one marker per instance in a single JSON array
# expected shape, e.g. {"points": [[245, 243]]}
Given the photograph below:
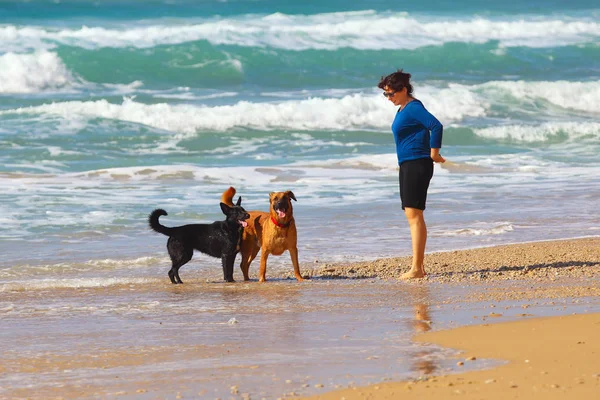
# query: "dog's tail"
{"points": [[155, 225], [227, 196]]}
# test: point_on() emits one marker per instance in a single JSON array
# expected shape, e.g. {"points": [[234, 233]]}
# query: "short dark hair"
{"points": [[396, 81]]}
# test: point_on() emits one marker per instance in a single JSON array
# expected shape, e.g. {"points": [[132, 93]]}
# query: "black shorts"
{"points": [[415, 176]]}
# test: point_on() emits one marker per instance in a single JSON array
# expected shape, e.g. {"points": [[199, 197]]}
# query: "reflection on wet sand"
{"points": [[422, 361]]}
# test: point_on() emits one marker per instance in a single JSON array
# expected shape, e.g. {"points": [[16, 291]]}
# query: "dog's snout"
{"points": [[280, 205]]}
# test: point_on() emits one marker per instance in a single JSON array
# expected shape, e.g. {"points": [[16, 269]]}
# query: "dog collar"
{"points": [[278, 224]]}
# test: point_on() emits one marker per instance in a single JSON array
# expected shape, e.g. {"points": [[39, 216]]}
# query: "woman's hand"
{"points": [[436, 156]]}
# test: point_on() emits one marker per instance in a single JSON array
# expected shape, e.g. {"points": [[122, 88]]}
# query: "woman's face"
{"points": [[397, 97]]}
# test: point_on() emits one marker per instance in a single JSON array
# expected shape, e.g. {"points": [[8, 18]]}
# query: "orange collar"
{"points": [[278, 224]]}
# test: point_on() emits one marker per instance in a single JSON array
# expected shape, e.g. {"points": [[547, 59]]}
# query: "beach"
{"points": [[546, 358], [555, 263], [111, 109], [484, 311]]}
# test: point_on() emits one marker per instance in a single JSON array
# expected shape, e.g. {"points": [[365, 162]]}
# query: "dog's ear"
{"points": [[225, 208], [291, 195], [239, 202]]}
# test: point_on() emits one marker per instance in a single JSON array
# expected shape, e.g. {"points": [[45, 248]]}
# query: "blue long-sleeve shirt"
{"points": [[411, 127]]}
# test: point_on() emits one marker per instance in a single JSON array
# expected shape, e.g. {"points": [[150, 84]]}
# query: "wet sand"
{"points": [[350, 326], [545, 358]]}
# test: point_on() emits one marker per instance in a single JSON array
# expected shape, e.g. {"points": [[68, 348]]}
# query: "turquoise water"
{"points": [[111, 109]]}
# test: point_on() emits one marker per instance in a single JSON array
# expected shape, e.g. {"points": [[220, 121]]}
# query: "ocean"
{"points": [[110, 109]]}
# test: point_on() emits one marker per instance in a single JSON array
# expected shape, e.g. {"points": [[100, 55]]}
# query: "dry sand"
{"points": [[546, 358]]}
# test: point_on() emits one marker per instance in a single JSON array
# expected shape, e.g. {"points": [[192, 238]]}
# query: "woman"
{"points": [[418, 137]]}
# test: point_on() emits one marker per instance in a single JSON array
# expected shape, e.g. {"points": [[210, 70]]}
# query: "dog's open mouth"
{"points": [[280, 213], [243, 223]]}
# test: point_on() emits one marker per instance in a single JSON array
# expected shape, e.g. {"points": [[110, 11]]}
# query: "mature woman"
{"points": [[418, 137]]}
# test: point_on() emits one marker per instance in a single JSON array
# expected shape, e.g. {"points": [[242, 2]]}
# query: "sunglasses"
{"points": [[389, 94]]}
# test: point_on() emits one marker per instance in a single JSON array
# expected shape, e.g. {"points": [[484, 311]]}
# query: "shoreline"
{"points": [[565, 258], [544, 357], [352, 324], [547, 358]]}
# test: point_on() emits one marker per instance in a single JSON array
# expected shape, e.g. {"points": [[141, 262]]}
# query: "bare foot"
{"points": [[413, 273]]}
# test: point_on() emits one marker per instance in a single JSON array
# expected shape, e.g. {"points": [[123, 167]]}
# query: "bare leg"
{"points": [[418, 234]]}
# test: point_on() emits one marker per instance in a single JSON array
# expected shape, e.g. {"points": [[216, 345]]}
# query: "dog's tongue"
{"points": [[280, 214], [244, 223]]}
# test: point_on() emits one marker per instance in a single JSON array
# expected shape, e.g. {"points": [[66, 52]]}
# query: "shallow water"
{"points": [[206, 339]]}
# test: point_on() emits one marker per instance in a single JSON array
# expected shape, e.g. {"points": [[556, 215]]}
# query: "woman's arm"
{"points": [[436, 130], [436, 156], [430, 122]]}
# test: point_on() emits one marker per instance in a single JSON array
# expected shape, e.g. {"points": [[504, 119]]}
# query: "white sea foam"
{"points": [[35, 72], [62, 269], [478, 229], [582, 96], [561, 131], [75, 283], [185, 94], [172, 172], [70, 185], [451, 105], [371, 162], [509, 164], [56, 151], [370, 111], [44, 166], [124, 89], [44, 71], [139, 185], [361, 30]]}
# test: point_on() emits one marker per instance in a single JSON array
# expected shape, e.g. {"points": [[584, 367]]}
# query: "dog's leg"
{"points": [[247, 257], [180, 255], [294, 256], [263, 265], [245, 266], [228, 260], [181, 263], [172, 275]]}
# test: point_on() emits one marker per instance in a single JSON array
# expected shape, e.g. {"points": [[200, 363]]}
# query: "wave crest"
{"points": [[353, 112], [366, 30], [35, 72]]}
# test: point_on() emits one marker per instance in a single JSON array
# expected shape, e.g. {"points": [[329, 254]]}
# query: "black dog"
{"points": [[219, 239]]}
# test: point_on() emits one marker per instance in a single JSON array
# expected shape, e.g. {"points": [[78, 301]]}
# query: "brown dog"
{"points": [[272, 232]]}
